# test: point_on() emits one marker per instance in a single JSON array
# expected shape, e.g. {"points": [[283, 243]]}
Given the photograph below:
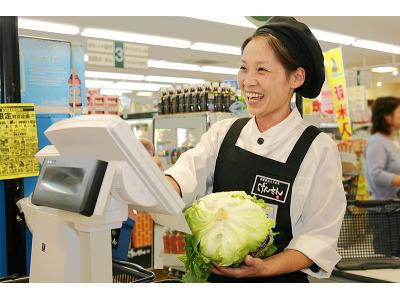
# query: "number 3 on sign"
{"points": [[119, 54]]}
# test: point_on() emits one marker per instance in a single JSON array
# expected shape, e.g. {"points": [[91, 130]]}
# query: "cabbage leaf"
{"points": [[226, 226]]}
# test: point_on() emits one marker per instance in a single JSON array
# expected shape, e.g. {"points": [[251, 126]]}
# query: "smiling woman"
{"points": [[267, 85], [274, 150]]}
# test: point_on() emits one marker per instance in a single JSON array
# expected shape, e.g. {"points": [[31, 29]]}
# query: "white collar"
{"points": [[292, 121]]}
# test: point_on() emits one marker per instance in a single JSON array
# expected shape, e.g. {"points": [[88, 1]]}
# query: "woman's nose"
{"points": [[249, 80]]}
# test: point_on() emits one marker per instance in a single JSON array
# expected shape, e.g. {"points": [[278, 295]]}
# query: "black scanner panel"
{"points": [[70, 183]]}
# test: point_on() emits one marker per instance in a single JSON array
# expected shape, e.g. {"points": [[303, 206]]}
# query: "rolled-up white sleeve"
{"points": [[316, 231], [194, 170]]}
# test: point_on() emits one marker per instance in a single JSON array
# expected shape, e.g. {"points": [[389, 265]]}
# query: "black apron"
{"points": [[240, 170]]}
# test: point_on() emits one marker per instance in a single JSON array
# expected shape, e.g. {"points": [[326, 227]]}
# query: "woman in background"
{"points": [[382, 152], [382, 166]]}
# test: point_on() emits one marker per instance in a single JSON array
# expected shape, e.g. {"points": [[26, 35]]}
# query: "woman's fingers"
{"points": [[148, 145]]}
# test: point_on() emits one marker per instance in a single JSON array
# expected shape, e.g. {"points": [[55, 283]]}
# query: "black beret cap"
{"points": [[303, 47]]}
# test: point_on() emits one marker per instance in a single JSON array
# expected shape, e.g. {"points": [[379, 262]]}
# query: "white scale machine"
{"points": [[94, 169]]}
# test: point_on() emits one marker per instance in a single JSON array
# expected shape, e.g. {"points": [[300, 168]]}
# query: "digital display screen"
{"points": [[64, 180], [70, 183]]}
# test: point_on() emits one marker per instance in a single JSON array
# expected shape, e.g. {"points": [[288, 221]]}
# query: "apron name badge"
{"points": [[270, 188]]}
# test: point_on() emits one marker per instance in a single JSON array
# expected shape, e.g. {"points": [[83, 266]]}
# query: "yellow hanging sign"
{"points": [[335, 75], [307, 106], [18, 141]]}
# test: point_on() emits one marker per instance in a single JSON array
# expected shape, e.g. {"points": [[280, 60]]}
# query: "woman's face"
{"points": [[393, 120], [263, 80]]}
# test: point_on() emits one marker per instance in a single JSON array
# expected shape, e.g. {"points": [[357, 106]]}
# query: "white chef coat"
{"points": [[318, 199]]}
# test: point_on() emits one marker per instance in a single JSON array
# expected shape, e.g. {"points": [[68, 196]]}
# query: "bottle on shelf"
{"points": [[166, 102], [200, 98], [185, 98], [166, 241], [218, 99], [172, 241], [179, 99], [232, 96], [192, 98], [224, 97], [180, 243], [212, 97], [161, 101], [75, 94], [207, 91], [173, 104]]}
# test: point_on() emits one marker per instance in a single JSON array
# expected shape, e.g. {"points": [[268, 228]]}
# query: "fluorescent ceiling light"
{"points": [[379, 84], [135, 38], [220, 70], [161, 64], [144, 94], [175, 79], [217, 48], [378, 46], [384, 69], [137, 86], [395, 72], [122, 76], [98, 84], [124, 85], [85, 58], [235, 20], [332, 37], [113, 92], [47, 26]]}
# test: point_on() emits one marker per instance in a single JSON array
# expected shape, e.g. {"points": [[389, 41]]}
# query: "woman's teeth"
{"points": [[254, 97]]}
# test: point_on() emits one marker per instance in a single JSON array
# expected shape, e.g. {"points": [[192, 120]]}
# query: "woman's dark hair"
{"points": [[382, 107], [279, 49]]}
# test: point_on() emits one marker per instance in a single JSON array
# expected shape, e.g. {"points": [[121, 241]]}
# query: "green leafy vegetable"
{"points": [[225, 227]]}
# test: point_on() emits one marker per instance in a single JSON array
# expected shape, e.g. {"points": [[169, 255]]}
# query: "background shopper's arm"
{"points": [[396, 181], [376, 156]]}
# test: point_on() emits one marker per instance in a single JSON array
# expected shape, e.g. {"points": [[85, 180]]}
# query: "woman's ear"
{"points": [[389, 119], [297, 77]]}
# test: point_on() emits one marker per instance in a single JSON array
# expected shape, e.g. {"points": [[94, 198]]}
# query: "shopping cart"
{"points": [[123, 272], [128, 272], [350, 184], [370, 235]]}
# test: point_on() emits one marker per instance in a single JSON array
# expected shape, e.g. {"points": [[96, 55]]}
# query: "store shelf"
{"points": [[171, 260], [357, 126], [193, 114]]}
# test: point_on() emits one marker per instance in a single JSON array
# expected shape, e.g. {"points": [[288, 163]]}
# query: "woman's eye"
{"points": [[242, 68], [262, 69]]}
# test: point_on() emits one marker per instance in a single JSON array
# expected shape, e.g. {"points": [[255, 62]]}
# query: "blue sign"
{"points": [[3, 244], [45, 70]]}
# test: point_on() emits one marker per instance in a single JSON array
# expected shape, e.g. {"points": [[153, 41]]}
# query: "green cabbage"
{"points": [[225, 227]]}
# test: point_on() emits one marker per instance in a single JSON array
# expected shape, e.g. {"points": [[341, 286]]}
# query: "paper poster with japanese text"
{"points": [[336, 79], [18, 141]]}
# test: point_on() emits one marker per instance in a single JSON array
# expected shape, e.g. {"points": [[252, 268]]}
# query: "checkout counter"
{"points": [[361, 276], [94, 169]]}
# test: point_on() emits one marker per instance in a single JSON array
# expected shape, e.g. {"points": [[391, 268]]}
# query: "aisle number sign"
{"points": [[18, 141], [335, 75], [117, 54]]}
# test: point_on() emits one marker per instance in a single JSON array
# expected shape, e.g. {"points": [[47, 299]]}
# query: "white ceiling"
{"points": [[383, 29]]}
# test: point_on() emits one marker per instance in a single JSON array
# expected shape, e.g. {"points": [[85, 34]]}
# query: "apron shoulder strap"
{"points": [[301, 147], [234, 132]]}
